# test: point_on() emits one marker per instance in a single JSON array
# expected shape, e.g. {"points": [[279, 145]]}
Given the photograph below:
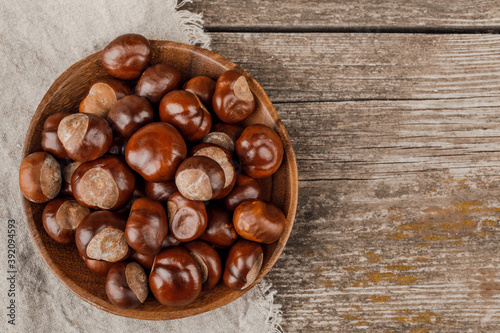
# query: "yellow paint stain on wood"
{"points": [[380, 299], [378, 277], [399, 267], [354, 268], [373, 257], [357, 307], [398, 235], [363, 323], [490, 223], [351, 317], [422, 259], [406, 279], [427, 317]]}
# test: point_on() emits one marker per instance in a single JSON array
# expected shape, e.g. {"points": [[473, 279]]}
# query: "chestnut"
{"points": [[220, 231], [147, 226], [260, 151], [50, 142], [203, 87], [118, 146], [175, 279], [160, 191], [40, 177], [187, 218], [67, 173], [84, 136], [101, 236], [127, 285], [224, 135], [105, 183], [156, 81], [147, 261], [243, 264], [184, 110], [138, 192], [127, 56], [61, 217], [245, 188], [129, 114], [233, 101], [99, 267], [200, 178], [155, 151], [208, 260], [223, 157], [259, 221], [102, 95]]}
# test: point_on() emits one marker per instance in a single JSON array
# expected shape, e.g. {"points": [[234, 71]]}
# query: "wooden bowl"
{"points": [[65, 95]]}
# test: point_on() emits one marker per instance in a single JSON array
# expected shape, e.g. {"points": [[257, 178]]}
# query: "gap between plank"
{"points": [[343, 30]]}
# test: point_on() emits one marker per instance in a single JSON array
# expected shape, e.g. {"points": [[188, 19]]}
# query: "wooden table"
{"points": [[393, 108]]}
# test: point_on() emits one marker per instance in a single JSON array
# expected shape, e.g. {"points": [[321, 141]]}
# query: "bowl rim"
{"points": [[292, 207]]}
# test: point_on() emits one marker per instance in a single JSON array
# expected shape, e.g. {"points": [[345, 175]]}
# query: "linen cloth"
{"points": [[38, 41]]}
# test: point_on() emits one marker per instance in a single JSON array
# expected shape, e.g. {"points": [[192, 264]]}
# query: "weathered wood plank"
{"points": [[331, 67], [297, 15], [397, 225], [383, 139], [416, 253]]}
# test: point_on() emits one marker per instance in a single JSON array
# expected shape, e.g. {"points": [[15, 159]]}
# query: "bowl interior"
{"points": [[65, 95]]}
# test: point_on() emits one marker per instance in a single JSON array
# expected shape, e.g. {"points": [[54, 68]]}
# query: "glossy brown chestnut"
{"points": [[160, 191], [118, 146], [243, 264], [220, 231], [156, 81], [127, 285], [138, 192], [223, 157], [155, 151], [84, 136], [50, 142], [129, 114], [101, 236], [100, 267], [259, 221], [61, 217], [147, 261], [233, 100], [40, 177], [208, 260], [260, 151], [245, 188], [102, 95], [127, 56], [175, 279], [224, 135], [187, 218], [203, 87], [184, 110], [200, 178], [67, 173], [105, 183], [147, 226]]}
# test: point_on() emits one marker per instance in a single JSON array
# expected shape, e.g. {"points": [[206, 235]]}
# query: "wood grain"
{"points": [[297, 15], [332, 67], [397, 223]]}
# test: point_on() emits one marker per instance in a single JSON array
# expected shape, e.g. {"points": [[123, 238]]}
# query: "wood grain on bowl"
{"points": [[65, 95]]}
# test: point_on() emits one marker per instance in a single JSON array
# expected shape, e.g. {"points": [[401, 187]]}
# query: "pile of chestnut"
{"points": [[158, 185]]}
